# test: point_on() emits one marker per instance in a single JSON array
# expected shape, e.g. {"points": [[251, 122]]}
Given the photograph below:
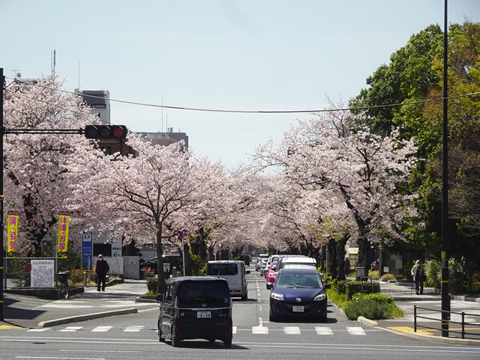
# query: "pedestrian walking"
{"points": [[101, 270], [418, 277]]}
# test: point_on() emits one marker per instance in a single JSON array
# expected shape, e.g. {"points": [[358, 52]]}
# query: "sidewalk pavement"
{"points": [[33, 312], [406, 299]]}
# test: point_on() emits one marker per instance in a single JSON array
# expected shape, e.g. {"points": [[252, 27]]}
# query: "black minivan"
{"points": [[195, 307]]}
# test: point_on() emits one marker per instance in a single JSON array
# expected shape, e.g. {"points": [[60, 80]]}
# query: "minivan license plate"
{"points": [[204, 314], [298, 309]]}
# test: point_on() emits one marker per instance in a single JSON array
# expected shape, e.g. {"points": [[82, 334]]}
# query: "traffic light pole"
{"points": [[2, 80], [114, 131]]}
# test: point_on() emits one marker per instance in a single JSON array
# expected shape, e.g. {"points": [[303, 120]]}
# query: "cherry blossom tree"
{"points": [[155, 193], [365, 170], [37, 171]]}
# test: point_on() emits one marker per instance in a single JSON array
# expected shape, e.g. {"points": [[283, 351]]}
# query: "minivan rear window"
{"points": [[199, 293], [222, 269]]}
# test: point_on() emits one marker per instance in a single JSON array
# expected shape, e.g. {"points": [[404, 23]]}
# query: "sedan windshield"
{"points": [[310, 281]]}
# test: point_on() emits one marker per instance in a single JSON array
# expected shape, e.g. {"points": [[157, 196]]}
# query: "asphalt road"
{"points": [[134, 335]]}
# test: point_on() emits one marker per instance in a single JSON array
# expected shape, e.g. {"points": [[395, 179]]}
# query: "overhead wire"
{"points": [[185, 108]]}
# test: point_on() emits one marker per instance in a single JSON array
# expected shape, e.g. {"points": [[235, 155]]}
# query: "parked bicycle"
{"points": [[63, 284]]}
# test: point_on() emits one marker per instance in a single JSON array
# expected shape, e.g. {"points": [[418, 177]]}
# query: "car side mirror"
{"points": [[159, 298], [327, 286]]}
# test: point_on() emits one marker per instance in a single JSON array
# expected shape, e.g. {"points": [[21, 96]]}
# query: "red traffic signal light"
{"points": [[105, 131]]}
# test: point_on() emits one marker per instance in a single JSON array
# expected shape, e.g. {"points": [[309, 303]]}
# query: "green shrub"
{"points": [[366, 287], [456, 276], [340, 286], [374, 273], [372, 306], [433, 272], [152, 285], [387, 277]]}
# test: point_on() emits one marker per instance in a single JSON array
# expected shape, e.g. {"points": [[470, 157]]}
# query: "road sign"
{"points": [[87, 250]]}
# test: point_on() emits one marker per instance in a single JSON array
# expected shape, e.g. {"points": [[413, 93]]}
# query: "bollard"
{"points": [[85, 279]]}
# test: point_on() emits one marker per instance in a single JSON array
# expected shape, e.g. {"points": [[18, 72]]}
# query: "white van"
{"points": [[235, 274]]}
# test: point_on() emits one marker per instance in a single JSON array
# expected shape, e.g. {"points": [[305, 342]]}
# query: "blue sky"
{"points": [[215, 54]]}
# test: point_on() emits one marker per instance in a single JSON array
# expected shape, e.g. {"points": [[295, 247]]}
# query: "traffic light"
{"points": [[105, 131]]}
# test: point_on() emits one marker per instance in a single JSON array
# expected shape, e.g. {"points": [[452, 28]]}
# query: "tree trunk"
{"points": [[332, 258], [363, 246], [341, 258]]}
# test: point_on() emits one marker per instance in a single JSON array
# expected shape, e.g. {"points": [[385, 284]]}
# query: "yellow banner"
{"points": [[63, 222], [12, 231]]}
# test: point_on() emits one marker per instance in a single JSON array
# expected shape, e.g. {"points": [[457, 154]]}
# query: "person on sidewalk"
{"points": [[101, 270], [418, 277]]}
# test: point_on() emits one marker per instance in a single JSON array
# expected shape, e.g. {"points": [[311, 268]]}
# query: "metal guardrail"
{"points": [[445, 333]]}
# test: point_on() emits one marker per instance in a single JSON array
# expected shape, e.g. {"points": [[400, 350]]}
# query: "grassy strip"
{"points": [[371, 306]]}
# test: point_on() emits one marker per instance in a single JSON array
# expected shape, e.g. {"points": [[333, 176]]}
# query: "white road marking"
{"points": [[71, 328], [291, 330], [134, 328], [102, 328], [263, 330], [356, 330], [321, 330]]}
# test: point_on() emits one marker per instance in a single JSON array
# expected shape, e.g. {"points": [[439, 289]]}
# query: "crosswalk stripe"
{"points": [[356, 330], [134, 328], [102, 328], [322, 330], [291, 330], [71, 328], [259, 330], [39, 330]]}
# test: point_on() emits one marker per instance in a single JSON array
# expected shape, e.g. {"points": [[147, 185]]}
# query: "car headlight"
{"points": [[320, 297], [276, 296]]}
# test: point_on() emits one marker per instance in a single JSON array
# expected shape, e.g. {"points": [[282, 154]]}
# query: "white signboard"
{"points": [[117, 249], [43, 273]]}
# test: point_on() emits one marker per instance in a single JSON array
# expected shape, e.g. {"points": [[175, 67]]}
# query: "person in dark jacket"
{"points": [[101, 270]]}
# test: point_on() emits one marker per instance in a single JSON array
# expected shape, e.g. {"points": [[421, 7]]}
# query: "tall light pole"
{"points": [[445, 295]]}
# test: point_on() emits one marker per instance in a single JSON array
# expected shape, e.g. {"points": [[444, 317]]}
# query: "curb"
{"points": [[71, 319], [367, 322], [436, 339]]}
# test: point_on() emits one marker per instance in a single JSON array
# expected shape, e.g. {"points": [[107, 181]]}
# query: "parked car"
{"points": [[271, 274], [232, 271], [195, 308], [299, 292]]}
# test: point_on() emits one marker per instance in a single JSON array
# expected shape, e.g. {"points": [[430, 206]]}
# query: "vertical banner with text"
{"points": [[12, 231], [63, 222]]}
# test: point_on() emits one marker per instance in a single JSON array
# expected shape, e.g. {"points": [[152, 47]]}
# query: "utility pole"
{"points": [[2, 80], [444, 257]]}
